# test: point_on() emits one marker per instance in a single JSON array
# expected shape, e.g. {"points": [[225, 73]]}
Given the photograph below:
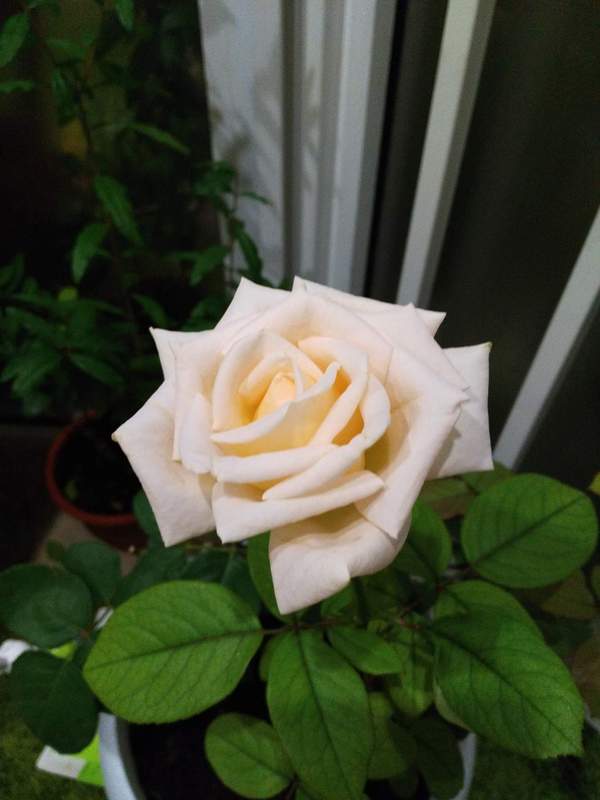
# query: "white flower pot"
{"points": [[120, 776]]}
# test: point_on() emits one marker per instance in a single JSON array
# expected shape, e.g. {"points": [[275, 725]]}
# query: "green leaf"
{"points": [[248, 248], [572, 599], [365, 650], [64, 95], [226, 567], [438, 758], [411, 690], [205, 261], [86, 247], [97, 368], [428, 548], [6, 87], [146, 520], [98, 566], [444, 709], [258, 197], [155, 312], [394, 748], [172, 651], [529, 531], [160, 136], [113, 197], [260, 571], [73, 51], [480, 481], [13, 34], [126, 12], [54, 700], [155, 566], [473, 596], [45, 606], [247, 755], [448, 497], [320, 709], [28, 369], [501, 679], [55, 550], [266, 656], [585, 666]]}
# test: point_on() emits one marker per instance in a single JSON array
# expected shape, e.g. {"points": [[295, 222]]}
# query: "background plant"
{"points": [[486, 622], [142, 210]]}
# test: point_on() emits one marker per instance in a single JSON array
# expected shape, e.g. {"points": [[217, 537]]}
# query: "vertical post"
{"points": [[462, 51], [556, 351]]}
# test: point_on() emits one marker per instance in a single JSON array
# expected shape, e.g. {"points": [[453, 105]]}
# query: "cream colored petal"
{"points": [[267, 466], [315, 558], [250, 298], [355, 363], [375, 410], [375, 312], [291, 425], [258, 379], [240, 370], [303, 315], [195, 447], [167, 342], [424, 411], [179, 499], [468, 448], [240, 512]]}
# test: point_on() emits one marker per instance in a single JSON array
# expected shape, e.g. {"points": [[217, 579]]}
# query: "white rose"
{"points": [[316, 415]]}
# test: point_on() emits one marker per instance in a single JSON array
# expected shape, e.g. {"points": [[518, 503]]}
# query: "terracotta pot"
{"points": [[119, 530]]}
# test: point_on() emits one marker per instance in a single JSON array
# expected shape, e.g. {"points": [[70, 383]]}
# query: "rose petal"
{"points": [[303, 315], [375, 410], [315, 558], [291, 425], [267, 466], [425, 411], [178, 498], [367, 308], [250, 298], [166, 343], [355, 364], [468, 448], [239, 371], [195, 447], [240, 512]]}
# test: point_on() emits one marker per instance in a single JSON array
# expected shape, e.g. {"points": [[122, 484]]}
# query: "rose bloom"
{"points": [[312, 414]]}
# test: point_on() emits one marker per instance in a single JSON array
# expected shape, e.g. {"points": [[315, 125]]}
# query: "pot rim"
{"points": [[87, 517]]}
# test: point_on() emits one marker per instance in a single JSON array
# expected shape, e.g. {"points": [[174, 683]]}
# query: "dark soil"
{"points": [[93, 473]]}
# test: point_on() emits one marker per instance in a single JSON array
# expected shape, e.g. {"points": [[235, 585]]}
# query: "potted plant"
{"points": [[325, 658], [138, 227]]}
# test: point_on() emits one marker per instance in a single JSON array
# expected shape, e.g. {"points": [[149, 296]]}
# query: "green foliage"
{"points": [[126, 13], [320, 710], [86, 247], [529, 531], [247, 755], [97, 565], [172, 651], [45, 606], [146, 520], [472, 596], [260, 570], [394, 749], [7, 87], [572, 599], [501, 679], [154, 566], [428, 547], [226, 567], [54, 701], [411, 690], [365, 650], [115, 201], [161, 137], [438, 757], [12, 36]]}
